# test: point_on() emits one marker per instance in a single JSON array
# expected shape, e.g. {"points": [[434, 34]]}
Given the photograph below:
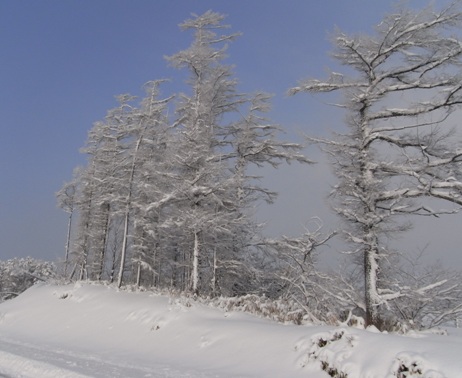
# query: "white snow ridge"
{"points": [[86, 330]]}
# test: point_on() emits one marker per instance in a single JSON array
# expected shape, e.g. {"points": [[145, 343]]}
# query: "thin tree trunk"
{"points": [[138, 275], [104, 245], [124, 248], [195, 264], [186, 265], [127, 209], [73, 272], [68, 243], [83, 267], [113, 265], [214, 274], [86, 231], [86, 247]]}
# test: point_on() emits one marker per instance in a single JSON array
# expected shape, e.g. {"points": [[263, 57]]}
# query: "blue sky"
{"points": [[62, 63]]}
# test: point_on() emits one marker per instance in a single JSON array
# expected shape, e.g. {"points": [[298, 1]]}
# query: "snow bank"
{"points": [[82, 329]]}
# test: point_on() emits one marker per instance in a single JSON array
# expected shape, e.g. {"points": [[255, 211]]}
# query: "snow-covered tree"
{"points": [[255, 144], [202, 173], [168, 200], [18, 274], [66, 201], [146, 160], [115, 188], [101, 186], [400, 87], [218, 140]]}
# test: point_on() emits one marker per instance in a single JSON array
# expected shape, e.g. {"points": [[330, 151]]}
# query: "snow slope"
{"points": [[85, 330]]}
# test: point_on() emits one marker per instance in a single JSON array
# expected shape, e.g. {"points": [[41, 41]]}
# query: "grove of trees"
{"points": [[167, 198], [168, 202]]}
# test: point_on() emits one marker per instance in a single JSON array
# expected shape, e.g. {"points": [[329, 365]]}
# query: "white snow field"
{"points": [[86, 330]]}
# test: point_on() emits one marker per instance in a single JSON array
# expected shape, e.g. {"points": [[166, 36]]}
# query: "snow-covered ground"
{"points": [[85, 330]]}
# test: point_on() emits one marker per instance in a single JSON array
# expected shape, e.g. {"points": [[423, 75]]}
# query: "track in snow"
{"points": [[27, 361]]}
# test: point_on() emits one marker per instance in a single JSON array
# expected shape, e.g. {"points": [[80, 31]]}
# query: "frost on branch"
{"points": [[399, 149]]}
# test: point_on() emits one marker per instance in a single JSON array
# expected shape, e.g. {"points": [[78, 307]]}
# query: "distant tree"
{"points": [[84, 203], [102, 185], [402, 85], [66, 201]]}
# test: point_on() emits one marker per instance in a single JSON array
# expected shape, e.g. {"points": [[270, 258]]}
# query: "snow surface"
{"points": [[85, 330]]}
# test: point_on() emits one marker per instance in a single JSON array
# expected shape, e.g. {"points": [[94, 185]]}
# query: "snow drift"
{"points": [[85, 330]]}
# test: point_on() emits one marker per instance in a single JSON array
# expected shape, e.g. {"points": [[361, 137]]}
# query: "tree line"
{"points": [[167, 197]]}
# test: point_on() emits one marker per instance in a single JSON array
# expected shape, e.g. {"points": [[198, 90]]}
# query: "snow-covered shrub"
{"points": [[330, 348], [18, 274], [280, 310]]}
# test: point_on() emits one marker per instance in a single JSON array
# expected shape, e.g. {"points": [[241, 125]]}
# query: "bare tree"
{"points": [[403, 84], [299, 277]]}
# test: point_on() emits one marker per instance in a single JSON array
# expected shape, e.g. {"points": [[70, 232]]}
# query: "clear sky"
{"points": [[62, 63]]}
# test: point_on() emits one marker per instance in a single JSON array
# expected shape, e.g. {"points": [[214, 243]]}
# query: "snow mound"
{"points": [[85, 330]]}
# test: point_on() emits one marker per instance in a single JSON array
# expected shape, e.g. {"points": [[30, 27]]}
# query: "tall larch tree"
{"points": [[200, 115], [400, 87]]}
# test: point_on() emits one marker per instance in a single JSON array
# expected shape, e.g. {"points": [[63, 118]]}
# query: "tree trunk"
{"points": [[214, 273], [195, 264], [370, 284], [104, 244], [138, 275], [68, 243], [124, 247], [83, 267], [127, 209], [113, 264]]}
